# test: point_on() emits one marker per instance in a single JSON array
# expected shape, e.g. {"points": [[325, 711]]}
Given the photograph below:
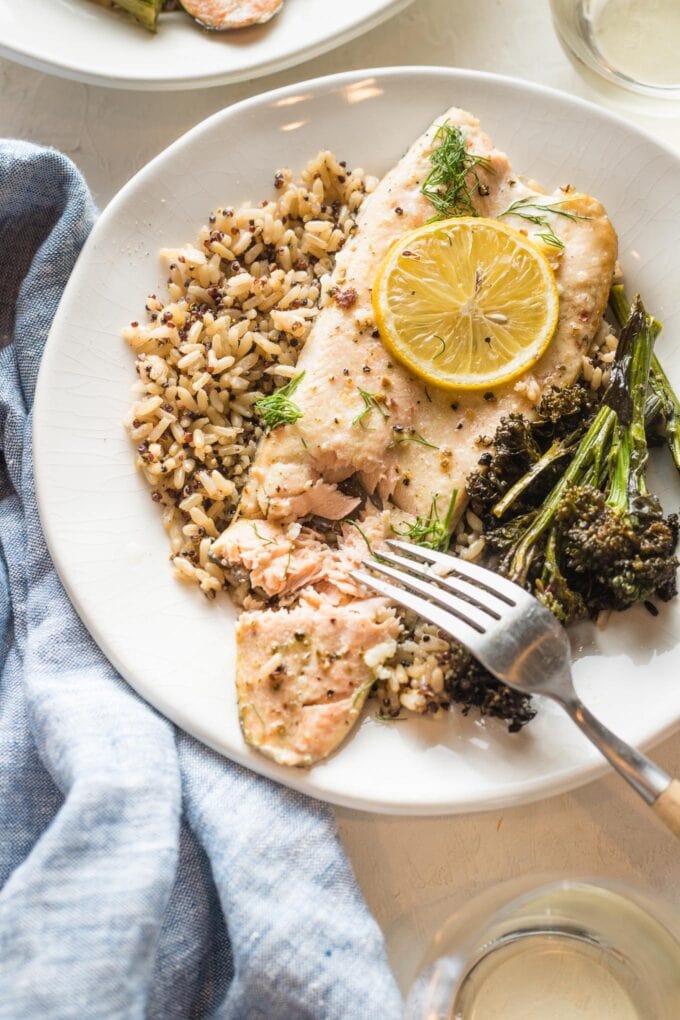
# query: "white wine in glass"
{"points": [[634, 43]]}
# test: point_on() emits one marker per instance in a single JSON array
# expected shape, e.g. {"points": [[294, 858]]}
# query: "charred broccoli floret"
{"points": [[619, 559], [470, 685], [515, 450], [565, 410], [526, 454]]}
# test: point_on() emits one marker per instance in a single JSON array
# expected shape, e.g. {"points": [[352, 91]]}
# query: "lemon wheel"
{"points": [[466, 303]]}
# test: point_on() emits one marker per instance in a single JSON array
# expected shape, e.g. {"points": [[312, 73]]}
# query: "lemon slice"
{"points": [[466, 303]]}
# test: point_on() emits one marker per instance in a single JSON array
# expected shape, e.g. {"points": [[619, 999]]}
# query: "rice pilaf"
{"points": [[241, 301]]}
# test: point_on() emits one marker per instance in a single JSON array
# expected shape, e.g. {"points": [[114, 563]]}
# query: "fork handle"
{"points": [[654, 785], [667, 806]]}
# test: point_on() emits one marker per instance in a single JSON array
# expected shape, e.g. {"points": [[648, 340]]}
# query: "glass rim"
{"points": [[576, 45], [484, 910]]}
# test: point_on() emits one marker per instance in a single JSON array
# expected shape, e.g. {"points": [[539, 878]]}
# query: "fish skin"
{"points": [[328, 444], [221, 15]]}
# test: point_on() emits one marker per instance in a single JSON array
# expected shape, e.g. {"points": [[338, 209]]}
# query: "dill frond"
{"points": [[414, 437], [372, 402], [364, 536], [551, 239], [431, 531], [528, 208], [278, 409], [262, 538], [453, 179], [443, 346]]}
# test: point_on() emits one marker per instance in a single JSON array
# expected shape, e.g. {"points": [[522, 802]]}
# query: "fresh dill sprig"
{"points": [[453, 179], [528, 208], [414, 437], [262, 538], [367, 541], [372, 402], [431, 531], [443, 348], [278, 409], [552, 239], [363, 535]]}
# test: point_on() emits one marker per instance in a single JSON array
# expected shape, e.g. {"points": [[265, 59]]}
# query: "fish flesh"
{"points": [[221, 15], [360, 410], [305, 673]]}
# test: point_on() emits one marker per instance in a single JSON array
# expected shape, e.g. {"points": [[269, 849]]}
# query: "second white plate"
{"points": [[81, 40], [105, 534]]}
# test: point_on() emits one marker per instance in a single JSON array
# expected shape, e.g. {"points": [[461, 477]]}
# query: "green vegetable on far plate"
{"points": [[144, 11]]}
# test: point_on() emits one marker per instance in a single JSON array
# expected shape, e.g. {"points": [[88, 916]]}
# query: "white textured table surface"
{"points": [[413, 872]]}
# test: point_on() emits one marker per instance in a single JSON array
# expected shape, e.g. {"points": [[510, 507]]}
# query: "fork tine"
{"points": [[457, 628], [493, 583], [449, 601], [490, 603]]}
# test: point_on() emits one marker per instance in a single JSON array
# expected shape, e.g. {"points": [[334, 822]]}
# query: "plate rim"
{"points": [[37, 62], [524, 792]]}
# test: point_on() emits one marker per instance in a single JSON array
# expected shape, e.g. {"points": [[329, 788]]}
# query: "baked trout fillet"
{"points": [[350, 448]]}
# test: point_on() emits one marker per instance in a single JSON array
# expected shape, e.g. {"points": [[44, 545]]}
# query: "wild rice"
{"points": [[240, 303]]}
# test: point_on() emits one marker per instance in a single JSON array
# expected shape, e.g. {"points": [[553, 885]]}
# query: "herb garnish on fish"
{"points": [[551, 239], [372, 402], [443, 345], [411, 436], [262, 538], [453, 179], [431, 531], [529, 209], [278, 409]]}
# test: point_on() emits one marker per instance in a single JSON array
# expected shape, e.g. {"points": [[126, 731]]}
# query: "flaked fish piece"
{"points": [[226, 14], [343, 356], [282, 559], [304, 674], [277, 560]]}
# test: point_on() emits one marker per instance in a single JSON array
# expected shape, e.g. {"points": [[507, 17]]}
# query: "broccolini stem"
{"points": [[550, 564], [620, 305], [630, 451], [589, 452], [663, 391], [558, 449], [663, 399]]}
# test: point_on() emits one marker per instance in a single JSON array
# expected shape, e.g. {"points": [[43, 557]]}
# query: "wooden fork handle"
{"points": [[667, 806]]}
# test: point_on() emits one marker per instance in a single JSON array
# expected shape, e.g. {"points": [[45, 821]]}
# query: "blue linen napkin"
{"points": [[141, 875]]}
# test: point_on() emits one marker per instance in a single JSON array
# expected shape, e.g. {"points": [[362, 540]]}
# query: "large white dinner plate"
{"points": [[81, 40], [104, 532]]}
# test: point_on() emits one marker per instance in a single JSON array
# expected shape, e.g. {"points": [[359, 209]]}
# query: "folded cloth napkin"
{"points": [[141, 875]]}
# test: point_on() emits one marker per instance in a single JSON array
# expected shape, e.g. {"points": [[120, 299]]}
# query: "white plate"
{"points": [[80, 40], [104, 532]]}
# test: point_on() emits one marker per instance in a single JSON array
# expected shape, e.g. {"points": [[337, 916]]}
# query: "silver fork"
{"points": [[515, 638]]}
